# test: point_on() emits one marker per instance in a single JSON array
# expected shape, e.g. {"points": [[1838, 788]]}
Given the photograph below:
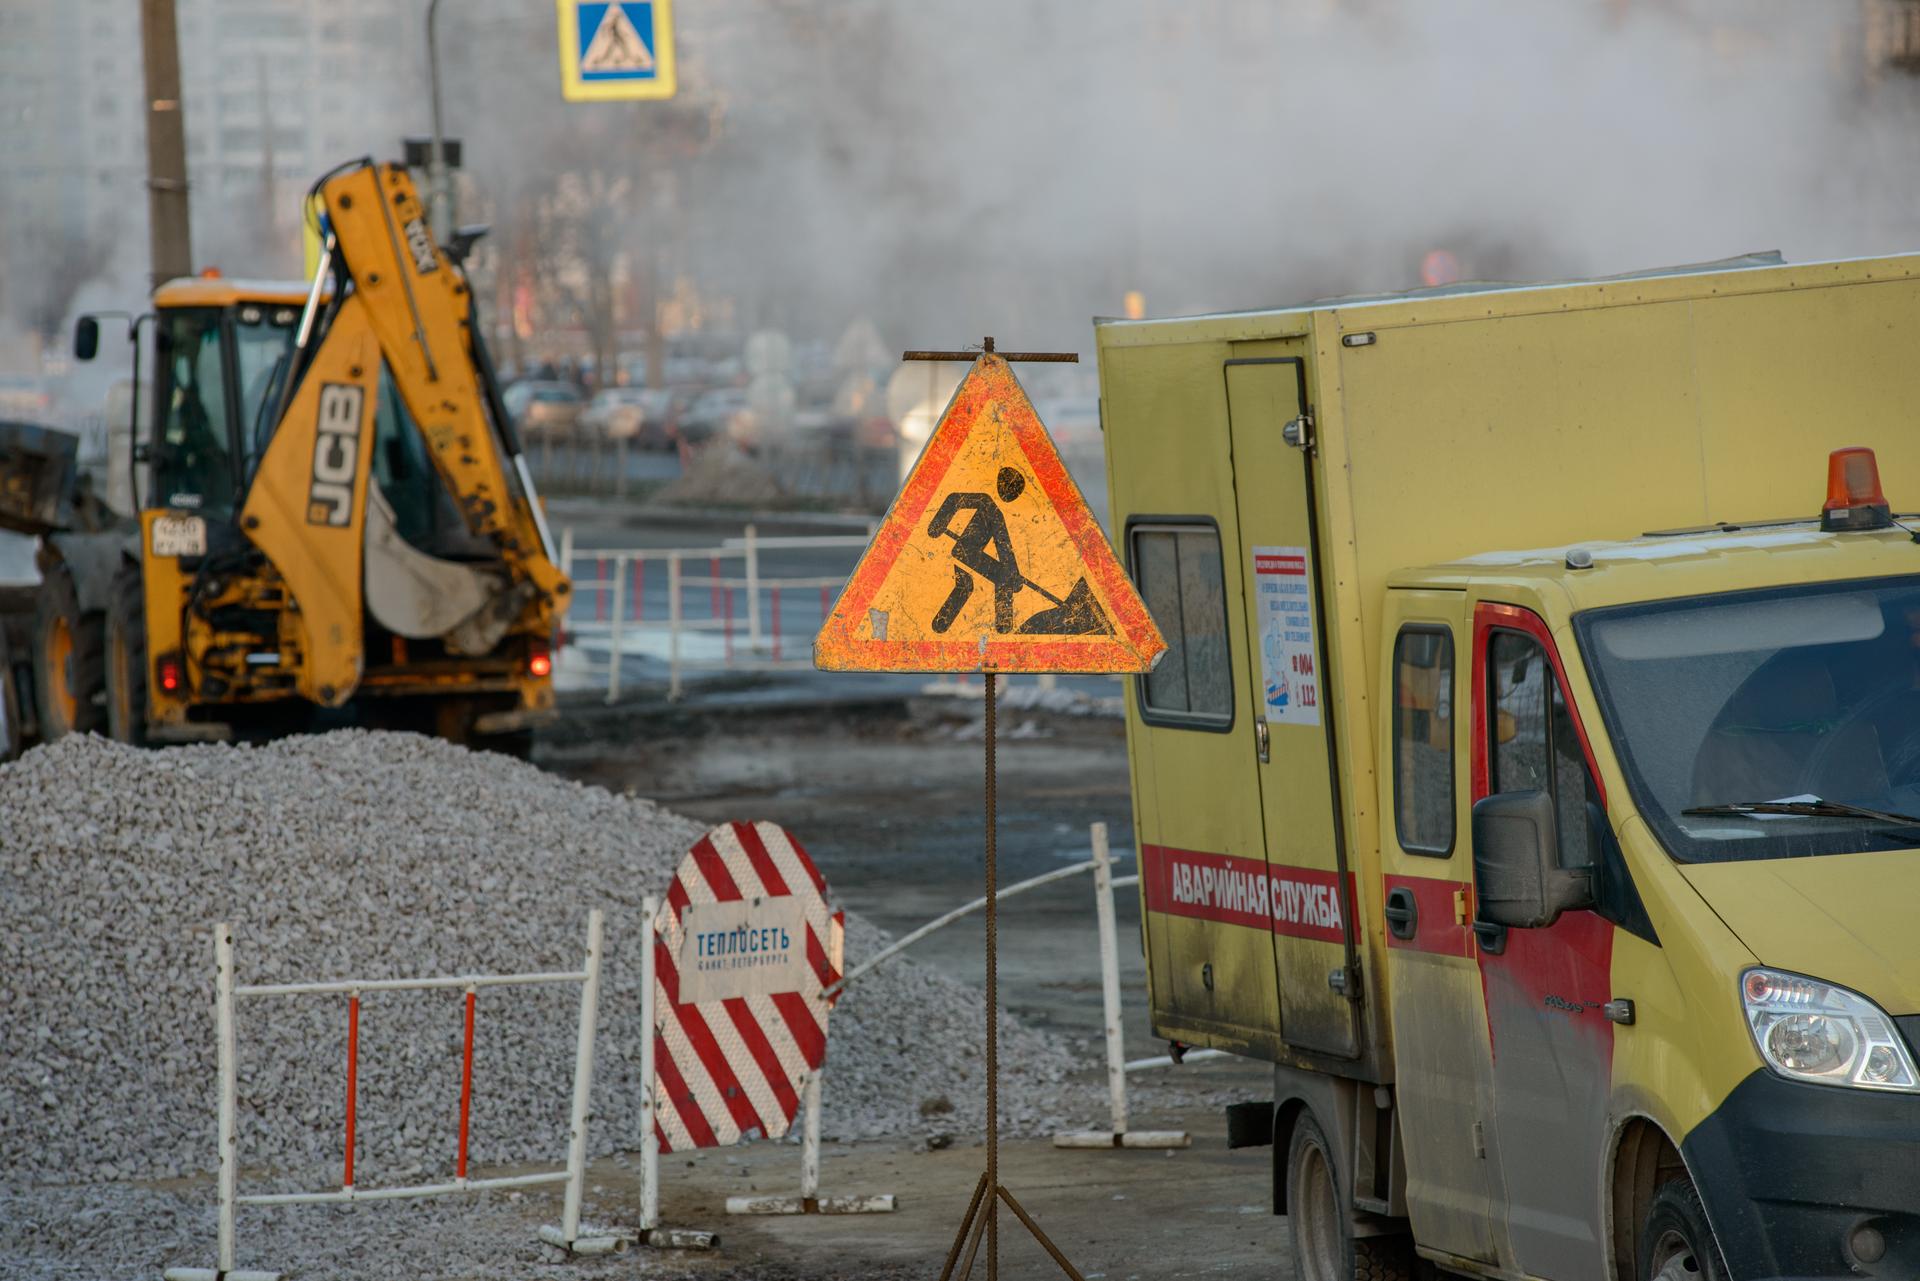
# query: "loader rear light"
{"points": [[540, 661], [171, 674], [1854, 497]]}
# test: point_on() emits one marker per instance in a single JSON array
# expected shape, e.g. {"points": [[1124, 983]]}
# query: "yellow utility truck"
{"points": [[335, 517], [1533, 776]]}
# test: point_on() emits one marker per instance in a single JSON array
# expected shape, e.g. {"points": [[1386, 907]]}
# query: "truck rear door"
{"points": [[1191, 743], [1310, 892]]}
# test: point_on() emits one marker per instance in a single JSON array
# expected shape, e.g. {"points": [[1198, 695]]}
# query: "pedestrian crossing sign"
{"points": [[612, 49], [989, 560]]}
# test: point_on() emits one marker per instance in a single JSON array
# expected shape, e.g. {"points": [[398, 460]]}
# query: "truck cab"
{"points": [[1533, 777]]}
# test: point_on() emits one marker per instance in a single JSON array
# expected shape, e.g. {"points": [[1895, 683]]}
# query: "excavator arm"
{"points": [[312, 506]]}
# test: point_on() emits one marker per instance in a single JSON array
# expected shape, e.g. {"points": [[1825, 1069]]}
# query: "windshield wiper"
{"points": [[1805, 809]]}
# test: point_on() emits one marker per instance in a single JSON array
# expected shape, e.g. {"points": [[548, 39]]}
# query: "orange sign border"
{"points": [[1136, 644]]}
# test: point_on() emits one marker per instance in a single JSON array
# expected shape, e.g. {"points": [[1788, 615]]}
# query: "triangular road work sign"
{"points": [[989, 559], [616, 45]]}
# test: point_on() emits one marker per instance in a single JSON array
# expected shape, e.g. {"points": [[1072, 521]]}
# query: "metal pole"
{"points": [[992, 1206], [618, 570], [810, 1141], [650, 1137], [170, 233], [582, 1081], [440, 194], [228, 1055], [673, 626], [1110, 977], [753, 593]]}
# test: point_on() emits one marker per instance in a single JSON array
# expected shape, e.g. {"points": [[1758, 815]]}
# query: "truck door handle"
{"points": [[1493, 938], [1403, 913], [1260, 741]]}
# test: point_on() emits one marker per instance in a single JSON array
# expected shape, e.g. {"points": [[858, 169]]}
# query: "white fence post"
{"points": [[1118, 1136], [649, 1138], [566, 551], [229, 1087], [753, 591], [619, 569], [583, 1080], [810, 1140], [1110, 977], [673, 626]]}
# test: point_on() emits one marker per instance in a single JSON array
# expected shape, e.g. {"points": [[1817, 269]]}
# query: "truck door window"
{"points": [[1534, 746], [193, 466], [1182, 580], [1423, 740]]}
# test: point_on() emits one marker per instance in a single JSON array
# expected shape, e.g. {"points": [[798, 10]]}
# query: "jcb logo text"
{"points": [[336, 455]]}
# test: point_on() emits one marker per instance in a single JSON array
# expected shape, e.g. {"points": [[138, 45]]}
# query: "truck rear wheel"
{"points": [[9, 704], [1324, 1246], [1676, 1241], [126, 643], [69, 667]]}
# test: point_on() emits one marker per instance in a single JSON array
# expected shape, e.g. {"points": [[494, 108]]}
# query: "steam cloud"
{"points": [[1013, 167]]}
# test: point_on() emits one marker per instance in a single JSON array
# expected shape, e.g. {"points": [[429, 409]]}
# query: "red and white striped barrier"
{"points": [[567, 1235], [745, 950]]}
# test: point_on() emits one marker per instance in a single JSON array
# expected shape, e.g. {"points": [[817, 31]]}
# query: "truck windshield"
{"points": [[1778, 698]]}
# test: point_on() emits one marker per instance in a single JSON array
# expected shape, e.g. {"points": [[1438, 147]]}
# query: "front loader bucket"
{"points": [[36, 478]]}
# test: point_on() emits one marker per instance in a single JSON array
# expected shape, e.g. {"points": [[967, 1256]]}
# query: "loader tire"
{"points": [[127, 666], [1324, 1246], [10, 727], [70, 663]]}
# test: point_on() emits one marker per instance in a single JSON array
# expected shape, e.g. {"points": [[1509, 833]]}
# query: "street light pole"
{"points": [[439, 185]]}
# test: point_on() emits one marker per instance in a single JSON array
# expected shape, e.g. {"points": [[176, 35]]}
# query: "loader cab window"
{"points": [[263, 350], [1181, 577], [1533, 745], [192, 458], [1423, 740]]}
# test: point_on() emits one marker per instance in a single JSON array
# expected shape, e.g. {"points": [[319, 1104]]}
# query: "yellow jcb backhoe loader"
{"points": [[338, 524]]}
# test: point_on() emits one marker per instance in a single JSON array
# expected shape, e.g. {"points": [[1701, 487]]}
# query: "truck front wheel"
{"points": [[1676, 1241], [1324, 1246], [127, 659], [69, 667]]}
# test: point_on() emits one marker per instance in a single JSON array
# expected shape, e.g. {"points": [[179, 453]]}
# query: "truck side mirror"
{"points": [[1518, 880], [86, 338]]}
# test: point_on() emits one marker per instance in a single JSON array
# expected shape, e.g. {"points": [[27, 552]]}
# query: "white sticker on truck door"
{"points": [[1283, 608]]}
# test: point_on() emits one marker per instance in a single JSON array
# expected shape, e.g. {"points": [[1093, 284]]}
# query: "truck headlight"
{"points": [[1813, 1031]]}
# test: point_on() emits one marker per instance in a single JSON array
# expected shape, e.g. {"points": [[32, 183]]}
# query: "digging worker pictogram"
{"points": [[982, 548]]}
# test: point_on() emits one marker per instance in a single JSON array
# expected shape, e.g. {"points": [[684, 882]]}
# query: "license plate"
{"points": [[179, 536]]}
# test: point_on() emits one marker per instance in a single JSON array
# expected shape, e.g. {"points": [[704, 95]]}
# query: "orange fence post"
{"points": [[353, 1077], [466, 1093]]}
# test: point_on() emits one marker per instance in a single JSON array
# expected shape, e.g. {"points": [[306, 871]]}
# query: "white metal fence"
{"points": [[704, 609], [573, 1175], [697, 608]]}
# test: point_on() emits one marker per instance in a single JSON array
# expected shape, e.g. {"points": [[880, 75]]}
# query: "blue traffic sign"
{"points": [[616, 49]]}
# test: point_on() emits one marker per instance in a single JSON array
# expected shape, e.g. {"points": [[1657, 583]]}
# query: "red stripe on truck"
{"points": [[1299, 902]]}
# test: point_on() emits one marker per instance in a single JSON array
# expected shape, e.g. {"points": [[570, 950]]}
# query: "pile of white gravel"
{"points": [[369, 855]]}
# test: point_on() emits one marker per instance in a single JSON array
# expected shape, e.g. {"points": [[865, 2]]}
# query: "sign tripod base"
{"points": [[981, 1220]]}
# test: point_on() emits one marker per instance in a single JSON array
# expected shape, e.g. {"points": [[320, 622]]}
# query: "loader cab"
{"points": [[223, 349], [220, 365]]}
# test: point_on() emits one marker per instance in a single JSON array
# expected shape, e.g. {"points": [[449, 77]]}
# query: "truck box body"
{"points": [[1443, 426]]}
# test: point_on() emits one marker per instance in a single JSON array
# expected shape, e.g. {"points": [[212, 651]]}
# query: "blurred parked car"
{"points": [[543, 408], [636, 414], [713, 413]]}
